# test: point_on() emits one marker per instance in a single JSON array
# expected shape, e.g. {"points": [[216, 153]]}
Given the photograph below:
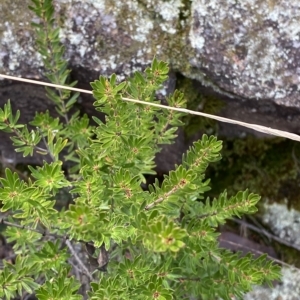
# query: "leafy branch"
{"points": [[156, 244]]}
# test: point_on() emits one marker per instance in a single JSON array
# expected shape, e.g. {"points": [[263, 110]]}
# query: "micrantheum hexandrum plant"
{"points": [[156, 244]]}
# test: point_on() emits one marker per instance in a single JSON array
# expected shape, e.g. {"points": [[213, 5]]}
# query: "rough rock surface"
{"points": [[249, 48], [285, 224], [287, 289], [100, 35]]}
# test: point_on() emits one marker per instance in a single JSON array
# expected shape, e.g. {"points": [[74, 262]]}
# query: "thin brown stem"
{"points": [[83, 267], [161, 199]]}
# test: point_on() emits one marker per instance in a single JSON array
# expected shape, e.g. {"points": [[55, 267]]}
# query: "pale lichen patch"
{"points": [[102, 35], [288, 289], [16, 49], [269, 34], [284, 223]]}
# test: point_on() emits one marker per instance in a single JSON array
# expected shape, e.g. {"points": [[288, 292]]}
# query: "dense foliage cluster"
{"points": [[155, 244]]}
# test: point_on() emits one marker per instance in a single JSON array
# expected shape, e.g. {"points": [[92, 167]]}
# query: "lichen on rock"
{"points": [[100, 35], [288, 289], [249, 48], [284, 223]]}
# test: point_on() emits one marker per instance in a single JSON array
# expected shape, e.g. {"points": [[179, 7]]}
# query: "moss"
{"points": [[268, 167], [287, 254], [196, 101], [185, 12]]}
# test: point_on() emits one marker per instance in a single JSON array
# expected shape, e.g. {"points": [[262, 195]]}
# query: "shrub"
{"points": [[155, 244]]}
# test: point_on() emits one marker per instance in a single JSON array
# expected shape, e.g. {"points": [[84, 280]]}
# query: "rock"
{"points": [[284, 222], [249, 48], [287, 289], [245, 49], [238, 61], [101, 36]]}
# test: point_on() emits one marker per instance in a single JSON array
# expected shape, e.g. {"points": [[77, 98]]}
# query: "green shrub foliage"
{"points": [[155, 244]]}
